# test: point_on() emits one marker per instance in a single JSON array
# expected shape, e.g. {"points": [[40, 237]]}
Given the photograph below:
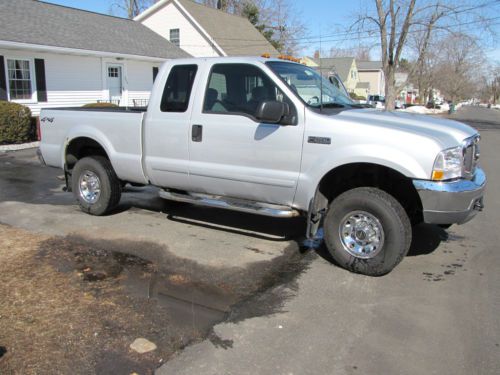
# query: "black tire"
{"points": [[110, 187], [444, 226], [392, 217]]}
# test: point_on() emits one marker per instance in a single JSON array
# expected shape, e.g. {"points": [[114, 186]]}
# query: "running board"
{"points": [[234, 204]]}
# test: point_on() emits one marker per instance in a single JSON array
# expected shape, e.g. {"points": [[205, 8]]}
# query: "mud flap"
{"points": [[67, 179], [314, 218]]}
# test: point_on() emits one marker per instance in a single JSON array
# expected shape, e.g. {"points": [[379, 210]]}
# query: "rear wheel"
{"points": [[95, 185], [367, 231]]}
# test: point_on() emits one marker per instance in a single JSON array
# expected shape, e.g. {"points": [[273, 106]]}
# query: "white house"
{"points": [[55, 56], [203, 31]]}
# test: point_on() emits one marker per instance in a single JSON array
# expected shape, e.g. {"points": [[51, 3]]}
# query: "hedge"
{"points": [[100, 105], [355, 96], [16, 125]]}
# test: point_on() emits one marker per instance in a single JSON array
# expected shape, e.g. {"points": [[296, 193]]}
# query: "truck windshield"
{"points": [[306, 83]]}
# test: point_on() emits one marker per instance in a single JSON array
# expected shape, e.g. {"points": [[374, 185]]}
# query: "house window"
{"points": [[20, 79], [113, 71], [175, 37]]}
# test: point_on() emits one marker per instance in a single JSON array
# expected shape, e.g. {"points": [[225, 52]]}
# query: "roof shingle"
{"points": [[36, 22], [369, 65], [340, 65]]}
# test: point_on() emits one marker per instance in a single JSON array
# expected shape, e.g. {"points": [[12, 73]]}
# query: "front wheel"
{"points": [[367, 231], [95, 185]]}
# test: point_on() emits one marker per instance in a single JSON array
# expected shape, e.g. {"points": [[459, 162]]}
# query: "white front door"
{"points": [[115, 85], [234, 154]]}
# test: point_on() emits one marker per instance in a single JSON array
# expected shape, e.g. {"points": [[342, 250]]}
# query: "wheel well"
{"points": [[81, 147], [354, 175]]}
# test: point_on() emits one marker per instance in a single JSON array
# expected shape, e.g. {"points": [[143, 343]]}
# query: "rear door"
{"points": [[234, 154], [166, 129]]}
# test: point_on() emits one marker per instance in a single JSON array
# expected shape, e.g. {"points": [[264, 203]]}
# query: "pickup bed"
{"points": [[273, 137]]}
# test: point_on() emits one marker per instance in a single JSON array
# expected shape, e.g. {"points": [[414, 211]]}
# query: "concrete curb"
{"points": [[23, 146]]}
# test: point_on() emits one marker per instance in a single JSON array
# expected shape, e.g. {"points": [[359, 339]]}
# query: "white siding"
{"points": [[73, 81], [139, 81], [191, 39]]}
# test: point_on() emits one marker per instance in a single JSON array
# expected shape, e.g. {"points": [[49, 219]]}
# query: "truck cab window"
{"points": [[239, 89], [178, 88]]}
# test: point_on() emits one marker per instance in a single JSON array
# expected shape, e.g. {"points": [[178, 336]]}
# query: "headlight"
{"points": [[448, 164]]}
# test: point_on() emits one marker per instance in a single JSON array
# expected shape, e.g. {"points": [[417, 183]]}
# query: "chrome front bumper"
{"points": [[451, 202]]}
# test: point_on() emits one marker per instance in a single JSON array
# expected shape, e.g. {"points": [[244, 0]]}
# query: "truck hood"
{"points": [[448, 133]]}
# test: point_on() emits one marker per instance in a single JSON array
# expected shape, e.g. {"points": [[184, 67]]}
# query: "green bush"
{"points": [[16, 125], [100, 105], [355, 96]]}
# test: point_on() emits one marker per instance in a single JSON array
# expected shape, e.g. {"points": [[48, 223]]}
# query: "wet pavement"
{"points": [[32, 197], [436, 313]]}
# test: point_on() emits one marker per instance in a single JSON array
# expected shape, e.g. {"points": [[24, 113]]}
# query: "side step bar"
{"points": [[241, 205]]}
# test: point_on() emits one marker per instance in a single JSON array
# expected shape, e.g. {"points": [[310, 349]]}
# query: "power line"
{"points": [[264, 44], [346, 33]]}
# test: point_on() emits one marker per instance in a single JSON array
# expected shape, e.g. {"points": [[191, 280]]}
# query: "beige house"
{"points": [[203, 31], [372, 72], [346, 68]]}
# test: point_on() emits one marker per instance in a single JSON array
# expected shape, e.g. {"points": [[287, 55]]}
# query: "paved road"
{"points": [[438, 312]]}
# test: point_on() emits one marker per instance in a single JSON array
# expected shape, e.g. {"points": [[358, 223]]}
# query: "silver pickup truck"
{"points": [[272, 137]]}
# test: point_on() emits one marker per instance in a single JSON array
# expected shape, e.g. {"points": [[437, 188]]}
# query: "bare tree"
{"points": [[131, 8], [495, 84], [395, 20], [458, 74], [361, 52], [277, 20]]}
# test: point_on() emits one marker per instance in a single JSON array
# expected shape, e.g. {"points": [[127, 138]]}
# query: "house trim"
{"points": [[75, 51], [34, 93], [160, 4]]}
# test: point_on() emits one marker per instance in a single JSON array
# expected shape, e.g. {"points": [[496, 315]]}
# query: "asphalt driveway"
{"points": [[280, 309]]}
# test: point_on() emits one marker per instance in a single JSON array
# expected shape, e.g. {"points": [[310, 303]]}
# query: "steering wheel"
{"points": [[310, 101]]}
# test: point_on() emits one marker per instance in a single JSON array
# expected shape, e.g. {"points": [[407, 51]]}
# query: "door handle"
{"points": [[196, 133]]}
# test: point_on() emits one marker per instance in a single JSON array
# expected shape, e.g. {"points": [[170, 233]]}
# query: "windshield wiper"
{"points": [[333, 105]]}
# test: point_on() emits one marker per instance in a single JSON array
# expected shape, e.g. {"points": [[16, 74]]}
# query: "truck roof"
{"points": [[229, 59]]}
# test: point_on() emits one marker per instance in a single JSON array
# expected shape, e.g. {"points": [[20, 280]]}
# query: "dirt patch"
{"points": [[72, 305], [57, 323]]}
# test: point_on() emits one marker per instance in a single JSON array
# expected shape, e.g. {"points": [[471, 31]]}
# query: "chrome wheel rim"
{"points": [[361, 234], [89, 186]]}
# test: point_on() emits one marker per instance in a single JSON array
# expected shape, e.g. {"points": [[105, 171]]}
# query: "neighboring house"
{"points": [[372, 72], [408, 93], [346, 68], [55, 56], [362, 89], [203, 31]]}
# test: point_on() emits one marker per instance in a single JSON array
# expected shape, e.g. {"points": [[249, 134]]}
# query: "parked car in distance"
{"points": [[377, 101], [252, 135]]}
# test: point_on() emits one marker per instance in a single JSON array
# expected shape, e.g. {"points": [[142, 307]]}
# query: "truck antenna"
{"points": [[320, 75]]}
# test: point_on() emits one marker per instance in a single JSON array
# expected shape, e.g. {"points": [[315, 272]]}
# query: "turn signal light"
{"points": [[437, 175]]}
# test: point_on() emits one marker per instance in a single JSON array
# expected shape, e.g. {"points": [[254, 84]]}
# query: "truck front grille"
{"points": [[471, 155]]}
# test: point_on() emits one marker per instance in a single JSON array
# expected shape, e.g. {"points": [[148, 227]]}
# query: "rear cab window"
{"points": [[177, 91]]}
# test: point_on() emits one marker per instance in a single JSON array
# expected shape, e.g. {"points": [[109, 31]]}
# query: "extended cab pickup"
{"points": [[272, 137]]}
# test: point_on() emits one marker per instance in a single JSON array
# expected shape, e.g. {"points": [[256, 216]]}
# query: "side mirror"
{"points": [[272, 111]]}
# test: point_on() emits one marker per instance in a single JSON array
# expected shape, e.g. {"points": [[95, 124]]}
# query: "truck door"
{"points": [[166, 130], [234, 154]]}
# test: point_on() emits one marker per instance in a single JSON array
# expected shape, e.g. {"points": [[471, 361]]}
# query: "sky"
{"points": [[321, 17]]}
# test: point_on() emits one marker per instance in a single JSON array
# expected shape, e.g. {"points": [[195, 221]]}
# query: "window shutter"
{"points": [[41, 87], [155, 73], [3, 83]]}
